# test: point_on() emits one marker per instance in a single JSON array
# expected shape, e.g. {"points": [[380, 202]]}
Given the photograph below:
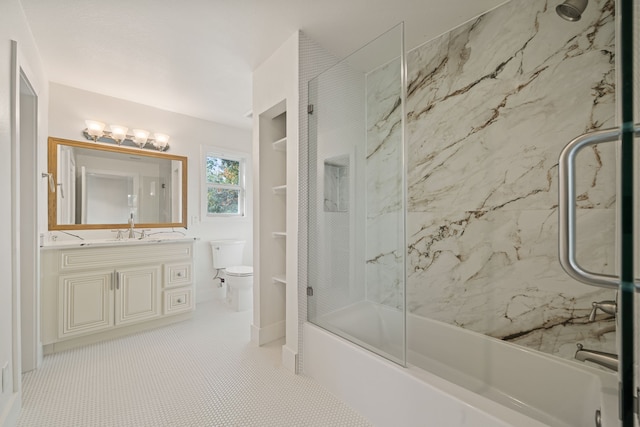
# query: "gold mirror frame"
{"points": [[52, 165]]}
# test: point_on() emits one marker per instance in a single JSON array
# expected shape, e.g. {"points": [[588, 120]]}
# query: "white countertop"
{"points": [[70, 244]]}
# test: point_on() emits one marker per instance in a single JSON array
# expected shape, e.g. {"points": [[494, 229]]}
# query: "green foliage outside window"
{"points": [[223, 171], [223, 182]]}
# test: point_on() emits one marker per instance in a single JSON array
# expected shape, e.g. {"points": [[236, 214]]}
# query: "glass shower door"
{"points": [[356, 218], [624, 282]]}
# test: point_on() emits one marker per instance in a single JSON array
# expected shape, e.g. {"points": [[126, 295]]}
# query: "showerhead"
{"points": [[571, 10]]}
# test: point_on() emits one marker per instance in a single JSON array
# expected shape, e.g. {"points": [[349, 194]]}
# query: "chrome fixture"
{"points": [[132, 234], [52, 184], [567, 206], [571, 10], [608, 306], [608, 360], [95, 131], [119, 234], [118, 133]]}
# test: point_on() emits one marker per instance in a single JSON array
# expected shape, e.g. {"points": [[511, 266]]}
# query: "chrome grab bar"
{"points": [[567, 206]]}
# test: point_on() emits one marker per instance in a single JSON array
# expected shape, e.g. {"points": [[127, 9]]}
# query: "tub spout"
{"points": [[609, 307], [608, 360]]}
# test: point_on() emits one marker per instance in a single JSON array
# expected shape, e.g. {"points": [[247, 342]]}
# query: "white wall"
{"points": [[274, 81], [13, 26], [69, 107]]}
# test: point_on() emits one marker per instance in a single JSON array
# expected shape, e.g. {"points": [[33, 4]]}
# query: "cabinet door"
{"points": [[85, 301], [137, 294]]}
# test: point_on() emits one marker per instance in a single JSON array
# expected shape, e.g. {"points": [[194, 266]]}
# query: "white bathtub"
{"points": [[454, 377]]}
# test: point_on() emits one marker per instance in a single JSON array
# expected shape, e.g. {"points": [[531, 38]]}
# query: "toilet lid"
{"points": [[239, 271]]}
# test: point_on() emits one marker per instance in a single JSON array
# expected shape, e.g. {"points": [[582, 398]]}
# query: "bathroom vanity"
{"points": [[95, 290]]}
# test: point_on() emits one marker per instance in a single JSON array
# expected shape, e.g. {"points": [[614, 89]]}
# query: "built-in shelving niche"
{"points": [[280, 190], [280, 145], [272, 219]]}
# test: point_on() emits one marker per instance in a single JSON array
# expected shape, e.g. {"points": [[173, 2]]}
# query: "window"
{"points": [[224, 177]]}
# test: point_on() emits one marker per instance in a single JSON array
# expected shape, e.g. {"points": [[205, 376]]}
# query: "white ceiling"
{"points": [[196, 57]]}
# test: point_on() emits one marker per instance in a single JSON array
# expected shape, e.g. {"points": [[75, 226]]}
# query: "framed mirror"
{"points": [[100, 186]]}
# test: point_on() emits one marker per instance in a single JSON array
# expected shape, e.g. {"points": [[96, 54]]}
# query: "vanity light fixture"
{"points": [[140, 137], [161, 141], [95, 131], [118, 133]]}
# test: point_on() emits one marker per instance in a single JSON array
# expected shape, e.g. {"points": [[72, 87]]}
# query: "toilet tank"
{"points": [[227, 253]]}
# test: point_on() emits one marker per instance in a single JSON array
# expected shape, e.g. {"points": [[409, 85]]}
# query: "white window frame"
{"points": [[242, 187]]}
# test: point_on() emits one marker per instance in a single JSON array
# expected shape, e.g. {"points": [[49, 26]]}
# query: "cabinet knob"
{"points": [[179, 300], [179, 274]]}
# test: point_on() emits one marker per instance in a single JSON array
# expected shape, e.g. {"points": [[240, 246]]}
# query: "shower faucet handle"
{"points": [[607, 306]]}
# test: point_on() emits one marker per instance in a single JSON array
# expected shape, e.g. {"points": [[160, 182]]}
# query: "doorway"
{"points": [[27, 195], [27, 351]]}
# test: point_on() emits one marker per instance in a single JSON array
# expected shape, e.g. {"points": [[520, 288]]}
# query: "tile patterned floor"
{"points": [[201, 372]]}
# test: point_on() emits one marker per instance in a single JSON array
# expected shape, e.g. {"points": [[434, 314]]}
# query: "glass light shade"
{"points": [[140, 137], [94, 128], [118, 132], [161, 141]]}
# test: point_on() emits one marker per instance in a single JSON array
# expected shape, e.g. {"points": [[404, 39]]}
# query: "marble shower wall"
{"points": [[490, 106], [384, 249]]}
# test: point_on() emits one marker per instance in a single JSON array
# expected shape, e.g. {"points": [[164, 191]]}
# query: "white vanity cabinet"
{"points": [[98, 292]]}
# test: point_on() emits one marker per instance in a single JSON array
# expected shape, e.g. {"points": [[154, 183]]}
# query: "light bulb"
{"points": [[118, 133], [94, 128], [140, 137], [161, 141]]}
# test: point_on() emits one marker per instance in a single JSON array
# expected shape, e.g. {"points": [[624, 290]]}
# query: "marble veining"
{"points": [[535, 80], [490, 105], [86, 243], [384, 249]]}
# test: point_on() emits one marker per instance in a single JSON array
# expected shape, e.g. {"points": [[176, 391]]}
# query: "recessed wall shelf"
{"points": [[274, 215], [280, 145], [280, 189], [280, 278]]}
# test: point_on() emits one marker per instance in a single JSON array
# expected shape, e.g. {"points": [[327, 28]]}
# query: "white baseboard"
{"points": [[40, 351], [255, 334], [11, 412], [290, 359], [267, 334]]}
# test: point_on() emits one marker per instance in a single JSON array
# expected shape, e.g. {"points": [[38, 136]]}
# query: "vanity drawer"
{"points": [[178, 300], [178, 274]]}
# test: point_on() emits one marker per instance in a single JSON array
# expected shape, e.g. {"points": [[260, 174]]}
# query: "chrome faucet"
{"points": [[608, 306], [608, 360], [132, 234]]}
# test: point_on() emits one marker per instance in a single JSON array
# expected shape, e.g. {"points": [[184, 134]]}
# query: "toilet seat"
{"points": [[239, 271]]}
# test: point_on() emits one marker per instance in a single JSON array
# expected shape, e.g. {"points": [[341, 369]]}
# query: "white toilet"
{"points": [[227, 256]]}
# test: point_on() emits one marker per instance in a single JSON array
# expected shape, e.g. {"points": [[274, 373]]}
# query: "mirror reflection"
{"points": [[103, 186]]}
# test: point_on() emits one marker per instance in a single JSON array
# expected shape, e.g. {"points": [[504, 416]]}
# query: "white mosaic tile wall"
{"points": [[313, 60]]}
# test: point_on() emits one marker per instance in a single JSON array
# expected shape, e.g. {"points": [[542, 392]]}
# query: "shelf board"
{"points": [[280, 145], [280, 189], [279, 234], [280, 278]]}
